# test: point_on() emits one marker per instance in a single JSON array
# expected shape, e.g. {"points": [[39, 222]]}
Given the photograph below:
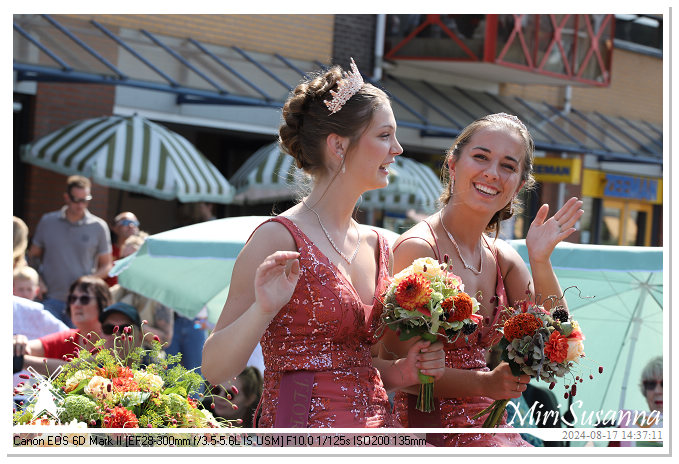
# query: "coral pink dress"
{"points": [[318, 366], [458, 412]]}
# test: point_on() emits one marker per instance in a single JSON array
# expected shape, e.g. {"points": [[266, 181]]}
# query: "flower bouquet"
{"points": [[99, 389], [427, 300], [541, 344]]}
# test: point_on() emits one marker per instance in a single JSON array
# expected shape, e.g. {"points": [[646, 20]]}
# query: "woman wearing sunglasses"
{"points": [[651, 387], [87, 297]]}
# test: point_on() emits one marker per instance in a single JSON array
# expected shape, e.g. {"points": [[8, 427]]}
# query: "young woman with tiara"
{"points": [[489, 163], [307, 281]]}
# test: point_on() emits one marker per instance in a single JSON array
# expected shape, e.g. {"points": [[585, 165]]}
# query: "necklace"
{"points": [[358, 243], [452, 239]]}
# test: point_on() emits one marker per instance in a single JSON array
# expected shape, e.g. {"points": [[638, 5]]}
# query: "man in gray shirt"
{"points": [[70, 243]]}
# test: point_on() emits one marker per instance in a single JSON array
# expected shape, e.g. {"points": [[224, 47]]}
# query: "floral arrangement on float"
{"points": [[427, 300], [544, 345], [99, 389]]}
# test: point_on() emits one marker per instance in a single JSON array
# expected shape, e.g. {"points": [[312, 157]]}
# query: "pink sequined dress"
{"points": [[458, 412], [326, 331]]}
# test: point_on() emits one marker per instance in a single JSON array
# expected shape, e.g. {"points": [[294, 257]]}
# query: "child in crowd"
{"points": [[26, 282], [245, 397]]}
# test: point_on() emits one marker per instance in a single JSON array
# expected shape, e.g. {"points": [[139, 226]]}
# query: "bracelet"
{"points": [[18, 363]]}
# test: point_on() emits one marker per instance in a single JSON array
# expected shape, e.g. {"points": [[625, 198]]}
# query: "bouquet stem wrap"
{"points": [[425, 398], [494, 412]]}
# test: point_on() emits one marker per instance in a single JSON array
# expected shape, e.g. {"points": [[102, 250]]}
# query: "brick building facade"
{"points": [[634, 92]]}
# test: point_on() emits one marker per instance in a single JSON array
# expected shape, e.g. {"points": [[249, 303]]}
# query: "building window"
{"points": [[643, 30]]}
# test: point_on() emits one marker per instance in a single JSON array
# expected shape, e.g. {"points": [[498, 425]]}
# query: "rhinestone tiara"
{"points": [[346, 88]]}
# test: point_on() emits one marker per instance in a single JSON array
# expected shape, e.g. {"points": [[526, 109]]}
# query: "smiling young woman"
{"points": [[486, 167], [306, 283]]}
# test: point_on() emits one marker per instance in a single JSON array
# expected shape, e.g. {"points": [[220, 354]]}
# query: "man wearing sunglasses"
{"points": [[68, 244]]}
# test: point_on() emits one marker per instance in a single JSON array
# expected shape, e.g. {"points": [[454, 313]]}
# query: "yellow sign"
{"points": [[566, 170]]}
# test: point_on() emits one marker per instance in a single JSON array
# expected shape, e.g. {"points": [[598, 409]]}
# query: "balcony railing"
{"points": [[576, 48]]}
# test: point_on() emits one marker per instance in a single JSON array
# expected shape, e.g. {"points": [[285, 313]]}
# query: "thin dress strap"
{"points": [[436, 251], [500, 291]]}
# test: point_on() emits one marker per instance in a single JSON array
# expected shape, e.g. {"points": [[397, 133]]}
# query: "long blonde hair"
{"points": [[20, 231]]}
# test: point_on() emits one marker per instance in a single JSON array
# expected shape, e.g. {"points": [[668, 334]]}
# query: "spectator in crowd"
{"points": [[206, 211], [87, 297], [245, 397], [31, 321], [125, 225], [160, 318], [651, 386], [25, 282], [119, 322], [188, 339], [70, 243], [20, 232]]}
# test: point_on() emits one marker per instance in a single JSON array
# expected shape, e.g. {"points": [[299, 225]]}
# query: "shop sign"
{"points": [[566, 170], [637, 188]]}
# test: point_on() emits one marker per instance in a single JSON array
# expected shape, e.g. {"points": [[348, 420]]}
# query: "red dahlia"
{"points": [[121, 418]]}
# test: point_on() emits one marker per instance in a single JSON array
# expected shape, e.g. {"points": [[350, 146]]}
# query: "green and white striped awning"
{"points": [[271, 175], [268, 175], [131, 153], [412, 186]]}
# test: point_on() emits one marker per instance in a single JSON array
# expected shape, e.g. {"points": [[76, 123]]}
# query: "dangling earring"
{"points": [[344, 169]]}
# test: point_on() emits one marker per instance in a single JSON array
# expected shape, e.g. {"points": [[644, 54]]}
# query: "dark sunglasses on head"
{"points": [[108, 328], [80, 200], [128, 222], [650, 384], [84, 299]]}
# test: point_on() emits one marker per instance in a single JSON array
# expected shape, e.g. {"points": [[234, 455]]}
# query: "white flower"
{"points": [[75, 379], [76, 424], [99, 387], [433, 267], [576, 350], [153, 381], [400, 276]]}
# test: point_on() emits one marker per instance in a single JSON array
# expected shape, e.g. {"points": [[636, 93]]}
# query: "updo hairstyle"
{"points": [[526, 169], [307, 122]]}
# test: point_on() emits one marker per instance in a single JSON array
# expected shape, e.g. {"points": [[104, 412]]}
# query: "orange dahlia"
{"points": [[121, 418], [520, 325], [556, 347], [124, 384], [413, 292]]}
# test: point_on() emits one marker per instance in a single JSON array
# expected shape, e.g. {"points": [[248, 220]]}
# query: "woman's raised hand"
{"points": [[275, 281], [544, 235], [503, 385]]}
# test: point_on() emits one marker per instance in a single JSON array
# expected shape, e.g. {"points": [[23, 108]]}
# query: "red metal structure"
{"points": [[577, 48]]}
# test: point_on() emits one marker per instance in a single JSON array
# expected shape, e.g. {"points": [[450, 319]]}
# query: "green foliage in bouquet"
{"points": [[100, 388]]}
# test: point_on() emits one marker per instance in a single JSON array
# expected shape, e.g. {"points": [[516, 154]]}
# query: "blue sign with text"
{"points": [[631, 187]]}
